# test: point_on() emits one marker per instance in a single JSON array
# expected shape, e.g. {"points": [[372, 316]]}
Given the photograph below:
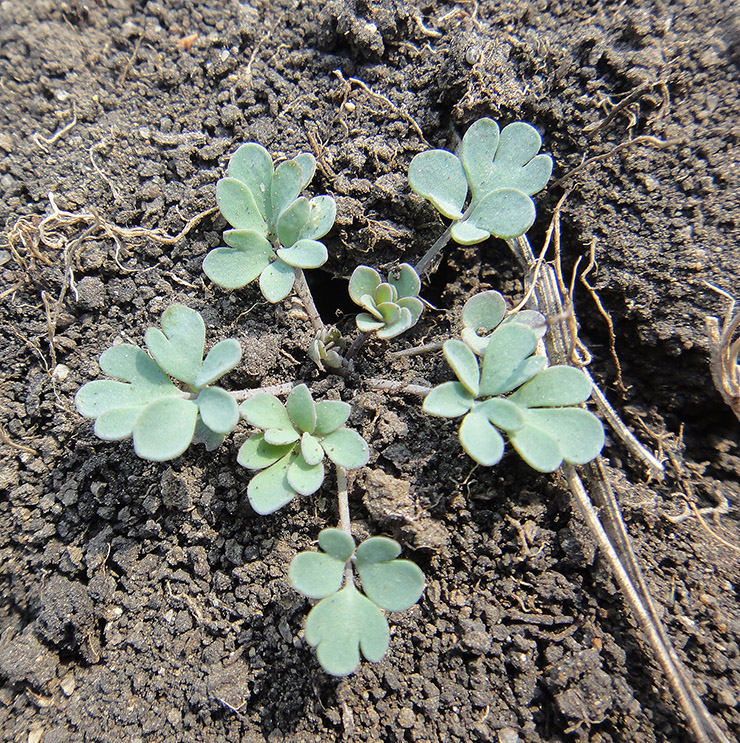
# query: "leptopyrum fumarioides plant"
{"points": [[510, 390], [344, 621], [391, 307], [276, 231], [297, 437], [500, 170], [144, 403]]}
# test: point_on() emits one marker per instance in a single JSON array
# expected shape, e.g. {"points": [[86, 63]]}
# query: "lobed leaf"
{"points": [[504, 213], [304, 254], [337, 543], [165, 428], [117, 424], [480, 439], [448, 400], [438, 176], [315, 574], [556, 386], [218, 410], [269, 489], [578, 433], [342, 624], [276, 281], [506, 353], [465, 233], [484, 311], [178, 347], [394, 585], [415, 307], [244, 261], [291, 221], [307, 163], [400, 325], [222, 358], [238, 205], [537, 448], [503, 413], [210, 439]]}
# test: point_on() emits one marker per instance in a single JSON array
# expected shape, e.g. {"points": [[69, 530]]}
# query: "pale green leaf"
{"points": [[256, 454], [478, 150], [394, 585], [218, 409], [520, 165], [364, 280], [579, 433], [484, 311], [503, 413], [305, 478], [131, 364], [464, 363], [165, 428], [480, 439], [405, 280], [385, 293], [366, 323], [438, 176], [554, 387], [448, 400], [307, 163], [238, 206], [464, 233], [315, 574], [286, 185], [505, 213], [390, 312], [377, 549], [330, 415], [222, 358], [281, 436], [291, 221], [415, 307], [117, 424], [252, 165], [337, 543], [265, 411], [178, 347], [233, 268], [321, 215], [305, 254], [311, 449], [346, 448], [210, 439], [338, 626], [269, 490], [301, 408], [276, 281], [102, 395], [508, 347], [400, 325], [537, 448]]}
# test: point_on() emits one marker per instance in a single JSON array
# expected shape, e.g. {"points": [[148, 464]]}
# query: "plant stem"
{"points": [[390, 385], [428, 258], [274, 389], [304, 294], [344, 519]]}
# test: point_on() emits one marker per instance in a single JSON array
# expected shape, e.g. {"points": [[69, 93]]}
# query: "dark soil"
{"points": [[147, 602]]}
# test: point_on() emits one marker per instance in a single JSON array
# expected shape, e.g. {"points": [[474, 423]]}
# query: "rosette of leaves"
{"points": [[485, 311], [509, 390], [391, 307], [275, 229], [291, 449], [345, 621], [501, 171], [326, 348], [145, 404]]}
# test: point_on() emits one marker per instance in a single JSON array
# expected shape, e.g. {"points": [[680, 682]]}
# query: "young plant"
{"points": [[393, 306], [145, 404], [276, 233], [512, 391], [502, 170], [344, 621], [291, 450], [326, 348]]}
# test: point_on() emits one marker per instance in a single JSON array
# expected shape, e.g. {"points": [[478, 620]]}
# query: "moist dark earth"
{"points": [[147, 602]]}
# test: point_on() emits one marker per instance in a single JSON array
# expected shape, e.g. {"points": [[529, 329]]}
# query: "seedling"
{"points": [[345, 621], [291, 450], [393, 306], [513, 392], [275, 232], [326, 348], [144, 403], [502, 170]]}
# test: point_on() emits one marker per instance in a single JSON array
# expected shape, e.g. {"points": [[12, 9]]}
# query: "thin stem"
{"points": [[304, 294], [417, 350], [275, 389], [356, 345], [390, 385], [345, 523], [428, 258]]}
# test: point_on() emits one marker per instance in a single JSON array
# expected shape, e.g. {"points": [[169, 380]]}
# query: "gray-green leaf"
{"points": [[165, 428], [438, 176], [178, 347]]}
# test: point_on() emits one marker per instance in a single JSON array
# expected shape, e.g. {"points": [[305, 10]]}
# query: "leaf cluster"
{"points": [[345, 621], [391, 307], [290, 451], [500, 169], [145, 404], [275, 229], [505, 387]]}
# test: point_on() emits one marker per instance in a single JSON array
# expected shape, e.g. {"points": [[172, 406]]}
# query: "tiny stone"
{"points": [[6, 181], [60, 373], [406, 718], [36, 735], [508, 735], [68, 684]]}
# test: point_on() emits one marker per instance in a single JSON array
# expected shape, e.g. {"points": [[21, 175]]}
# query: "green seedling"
{"points": [[276, 231], [145, 404], [291, 450], [326, 348], [501, 170], [512, 391], [393, 306], [344, 621]]}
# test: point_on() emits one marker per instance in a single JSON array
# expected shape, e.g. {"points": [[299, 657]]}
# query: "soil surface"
{"points": [[147, 602]]}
